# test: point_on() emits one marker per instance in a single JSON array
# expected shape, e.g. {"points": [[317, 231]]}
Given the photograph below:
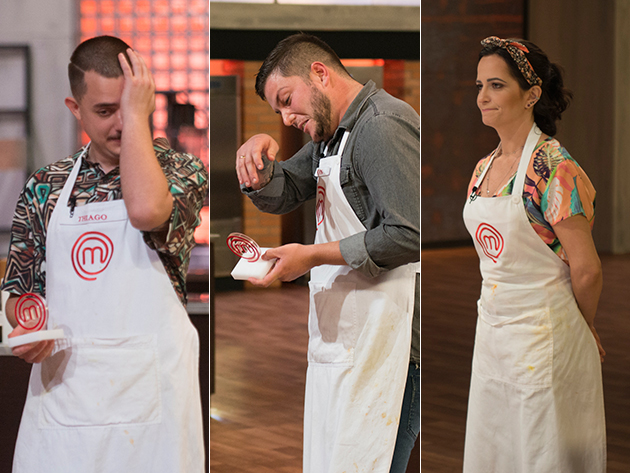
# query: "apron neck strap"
{"points": [[485, 171], [69, 185], [528, 150], [342, 145]]}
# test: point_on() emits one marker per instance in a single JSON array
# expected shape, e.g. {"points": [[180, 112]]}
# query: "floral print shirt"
{"points": [[188, 181], [556, 188]]}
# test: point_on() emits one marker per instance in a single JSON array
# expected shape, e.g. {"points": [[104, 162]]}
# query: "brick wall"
{"points": [[394, 77], [258, 117], [411, 93]]}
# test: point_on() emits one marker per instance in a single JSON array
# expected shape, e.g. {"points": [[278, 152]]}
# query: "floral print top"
{"points": [[556, 188]]}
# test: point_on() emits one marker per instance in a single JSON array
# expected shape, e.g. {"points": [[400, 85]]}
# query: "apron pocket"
{"points": [[517, 350], [332, 323], [102, 382]]}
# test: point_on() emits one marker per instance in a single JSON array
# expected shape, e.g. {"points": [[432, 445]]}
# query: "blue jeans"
{"points": [[409, 426]]}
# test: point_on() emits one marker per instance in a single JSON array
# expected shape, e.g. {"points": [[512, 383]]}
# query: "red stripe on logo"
{"points": [[490, 240]]}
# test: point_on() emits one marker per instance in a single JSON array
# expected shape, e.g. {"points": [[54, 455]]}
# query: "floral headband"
{"points": [[517, 51]]}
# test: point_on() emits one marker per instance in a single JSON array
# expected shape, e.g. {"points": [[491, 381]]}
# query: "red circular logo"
{"points": [[243, 246], [490, 240], [91, 254], [31, 311], [320, 206]]}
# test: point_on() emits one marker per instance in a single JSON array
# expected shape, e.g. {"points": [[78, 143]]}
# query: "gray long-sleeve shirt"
{"points": [[380, 177]]}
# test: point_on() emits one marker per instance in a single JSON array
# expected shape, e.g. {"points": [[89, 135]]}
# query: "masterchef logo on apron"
{"points": [[321, 202], [91, 254], [490, 240]]}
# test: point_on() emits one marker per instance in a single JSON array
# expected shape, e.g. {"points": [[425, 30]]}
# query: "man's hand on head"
{"points": [[144, 186], [138, 95]]}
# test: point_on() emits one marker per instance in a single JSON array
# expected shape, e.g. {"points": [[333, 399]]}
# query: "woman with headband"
{"points": [[536, 401]]}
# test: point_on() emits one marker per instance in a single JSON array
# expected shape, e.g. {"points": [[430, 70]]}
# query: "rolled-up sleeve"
{"points": [[292, 183], [187, 179]]}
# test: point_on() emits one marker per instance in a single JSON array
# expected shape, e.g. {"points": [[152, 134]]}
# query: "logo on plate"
{"points": [[31, 311], [243, 246], [91, 255], [490, 240]]}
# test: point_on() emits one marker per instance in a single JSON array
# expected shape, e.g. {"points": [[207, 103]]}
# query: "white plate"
{"points": [[258, 269], [35, 337]]}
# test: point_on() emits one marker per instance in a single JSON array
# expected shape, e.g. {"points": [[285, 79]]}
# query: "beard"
{"points": [[321, 115]]}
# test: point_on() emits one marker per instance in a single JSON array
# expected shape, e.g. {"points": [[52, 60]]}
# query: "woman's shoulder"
{"points": [[551, 155]]}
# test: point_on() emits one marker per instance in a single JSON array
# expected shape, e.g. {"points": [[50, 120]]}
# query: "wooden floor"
{"points": [[257, 408], [450, 288]]}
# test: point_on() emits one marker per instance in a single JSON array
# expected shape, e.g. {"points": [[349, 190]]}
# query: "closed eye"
{"points": [[105, 112]]}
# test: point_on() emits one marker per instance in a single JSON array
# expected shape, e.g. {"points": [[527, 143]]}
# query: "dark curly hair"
{"points": [[555, 98]]}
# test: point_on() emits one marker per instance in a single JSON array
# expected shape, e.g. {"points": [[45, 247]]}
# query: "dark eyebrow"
{"points": [[105, 105], [496, 78]]}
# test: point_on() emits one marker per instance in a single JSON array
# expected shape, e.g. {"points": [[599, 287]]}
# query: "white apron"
{"points": [[358, 353], [121, 393], [536, 401]]}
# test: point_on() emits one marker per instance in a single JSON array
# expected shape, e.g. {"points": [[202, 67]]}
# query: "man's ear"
{"points": [[320, 73], [73, 106]]}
